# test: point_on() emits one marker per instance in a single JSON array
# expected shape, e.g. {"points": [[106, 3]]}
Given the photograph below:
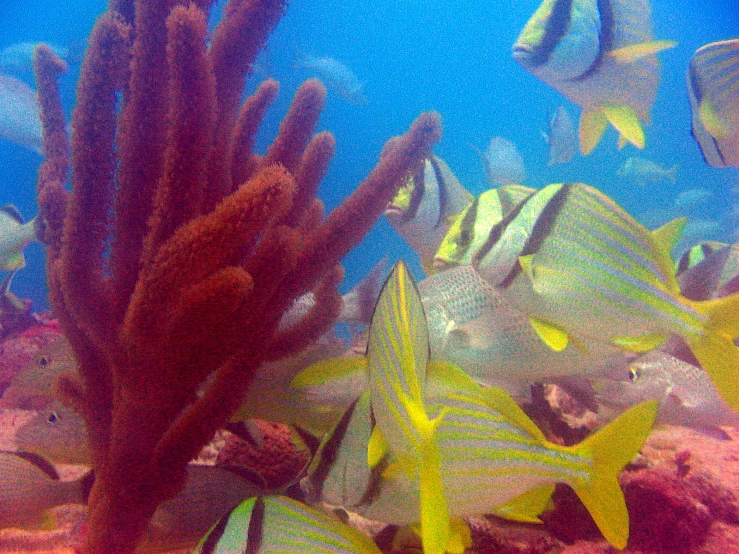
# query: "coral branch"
{"points": [[169, 280]]}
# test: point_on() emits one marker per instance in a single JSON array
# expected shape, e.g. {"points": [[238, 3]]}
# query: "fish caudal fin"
{"points": [[715, 348], [611, 448]]}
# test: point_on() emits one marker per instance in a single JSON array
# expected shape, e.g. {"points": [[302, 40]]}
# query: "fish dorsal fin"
{"points": [[593, 124], [502, 402], [625, 120], [668, 235], [12, 212], [554, 337], [635, 52]]}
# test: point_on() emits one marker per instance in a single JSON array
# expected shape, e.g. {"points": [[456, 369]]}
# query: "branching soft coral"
{"points": [[178, 249]]}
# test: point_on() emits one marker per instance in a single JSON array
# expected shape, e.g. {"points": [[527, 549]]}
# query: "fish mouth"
{"points": [[522, 53], [395, 213]]}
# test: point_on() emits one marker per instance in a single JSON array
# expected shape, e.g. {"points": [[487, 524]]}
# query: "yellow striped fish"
{"points": [[600, 55], [471, 227], [493, 460], [425, 206], [585, 272], [397, 357], [281, 524], [713, 87]]}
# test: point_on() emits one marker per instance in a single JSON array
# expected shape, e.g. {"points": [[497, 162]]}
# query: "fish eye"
{"points": [[634, 374], [53, 418], [43, 361]]}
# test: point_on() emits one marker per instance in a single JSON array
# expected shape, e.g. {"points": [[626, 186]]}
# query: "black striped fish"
{"points": [[471, 227], [493, 460], [713, 87], [585, 272], [600, 55], [279, 524], [425, 206]]}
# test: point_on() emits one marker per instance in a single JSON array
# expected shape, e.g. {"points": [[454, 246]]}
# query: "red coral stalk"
{"points": [[170, 280]]}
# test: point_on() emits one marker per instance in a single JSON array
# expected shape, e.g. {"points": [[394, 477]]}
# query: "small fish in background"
{"points": [[686, 394], [57, 433], [425, 207], [19, 113], [502, 162], [32, 386], [30, 487], [642, 171], [15, 235], [560, 137], [280, 524], [692, 199], [18, 58], [713, 87], [600, 55], [15, 313], [337, 76]]}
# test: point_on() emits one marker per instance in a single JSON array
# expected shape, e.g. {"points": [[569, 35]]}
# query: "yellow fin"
{"points": [[713, 123], [639, 343], [715, 348], [611, 448], [460, 538], [377, 447], [325, 371], [622, 141], [435, 523], [593, 124], [669, 234], [527, 506], [526, 263], [634, 52], [554, 337], [625, 120], [14, 261], [502, 402]]}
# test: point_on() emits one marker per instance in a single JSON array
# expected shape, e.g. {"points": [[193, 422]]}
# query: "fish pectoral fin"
{"points": [[610, 449], [326, 371], [635, 52], [712, 121], [377, 448], [593, 124], [625, 120], [526, 507], [639, 343], [553, 336]]}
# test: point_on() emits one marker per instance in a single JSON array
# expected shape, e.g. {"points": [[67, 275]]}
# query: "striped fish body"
{"points": [[586, 272], [568, 45], [473, 224], [593, 269], [713, 87], [425, 207], [493, 460], [272, 524]]}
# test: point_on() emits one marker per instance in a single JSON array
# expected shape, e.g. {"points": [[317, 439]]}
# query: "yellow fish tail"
{"points": [[611, 448], [715, 348]]}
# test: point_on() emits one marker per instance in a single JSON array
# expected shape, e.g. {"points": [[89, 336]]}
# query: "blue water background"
{"points": [[445, 55]]}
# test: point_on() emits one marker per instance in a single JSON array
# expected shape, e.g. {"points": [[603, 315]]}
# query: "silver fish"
{"points": [[19, 113], [643, 171], [503, 163], [686, 394], [337, 76], [560, 137]]}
